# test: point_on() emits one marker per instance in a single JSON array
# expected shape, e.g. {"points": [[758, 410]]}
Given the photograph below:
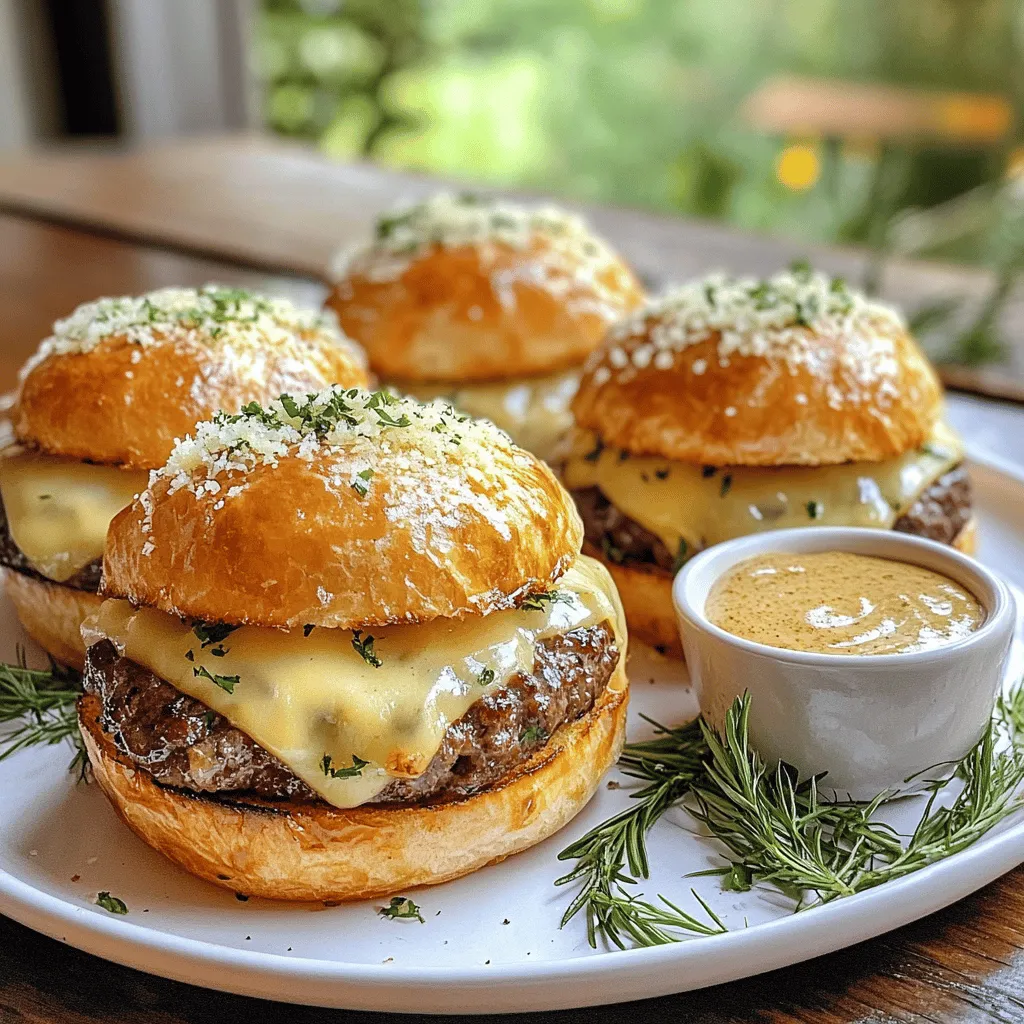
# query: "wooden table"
{"points": [[963, 964]]}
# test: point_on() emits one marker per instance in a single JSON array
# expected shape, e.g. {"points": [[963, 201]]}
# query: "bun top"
{"points": [[346, 508], [797, 369], [458, 289], [119, 380]]}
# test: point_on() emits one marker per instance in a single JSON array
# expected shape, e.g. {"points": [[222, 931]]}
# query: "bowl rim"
{"points": [[999, 602]]}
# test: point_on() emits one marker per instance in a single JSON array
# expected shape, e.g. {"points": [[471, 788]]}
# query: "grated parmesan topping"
{"points": [[362, 422], [781, 316], [453, 221], [212, 315]]}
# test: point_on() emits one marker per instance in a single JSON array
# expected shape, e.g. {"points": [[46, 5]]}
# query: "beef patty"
{"points": [[87, 578], [182, 743], [940, 513]]}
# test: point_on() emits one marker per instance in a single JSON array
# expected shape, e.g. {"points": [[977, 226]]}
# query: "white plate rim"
{"points": [[609, 977]]}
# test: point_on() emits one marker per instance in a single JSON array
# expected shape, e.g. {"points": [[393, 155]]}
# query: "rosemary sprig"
{"points": [[37, 707], [670, 765], [775, 831]]}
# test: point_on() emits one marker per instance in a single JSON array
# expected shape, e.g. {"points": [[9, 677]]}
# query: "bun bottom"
{"points": [[647, 596], [317, 852], [52, 615]]}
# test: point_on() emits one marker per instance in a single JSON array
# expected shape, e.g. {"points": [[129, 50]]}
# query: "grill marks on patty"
{"points": [[940, 513], [182, 743], [87, 578]]}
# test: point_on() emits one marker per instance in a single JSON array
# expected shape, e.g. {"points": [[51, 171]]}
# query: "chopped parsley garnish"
{"points": [[662, 474], [623, 455], [726, 485], [211, 632], [226, 683], [543, 599], [111, 904], [801, 269], [533, 734], [485, 676], [209, 718], [815, 509], [401, 908], [308, 628], [682, 554], [706, 471], [390, 421], [190, 655], [361, 482], [218, 652], [356, 768], [364, 648]]}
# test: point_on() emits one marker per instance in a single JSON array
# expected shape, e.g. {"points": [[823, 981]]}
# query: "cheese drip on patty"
{"points": [[691, 507], [58, 510], [322, 704], [533, 411]]}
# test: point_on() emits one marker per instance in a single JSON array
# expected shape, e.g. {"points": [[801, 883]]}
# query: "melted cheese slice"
{"points": [[534, 412], [691, 507], [58, 510], [307, 697]]}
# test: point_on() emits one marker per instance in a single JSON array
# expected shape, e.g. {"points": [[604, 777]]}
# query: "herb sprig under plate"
{"points": [[774, 831]]}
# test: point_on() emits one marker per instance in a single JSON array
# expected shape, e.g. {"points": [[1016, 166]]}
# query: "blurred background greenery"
{"points": [[895, 124]]}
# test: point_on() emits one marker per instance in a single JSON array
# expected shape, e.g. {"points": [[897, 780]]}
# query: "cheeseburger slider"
{"points": [[350, 646], [101, 403], [489, 305], [729, 407]]}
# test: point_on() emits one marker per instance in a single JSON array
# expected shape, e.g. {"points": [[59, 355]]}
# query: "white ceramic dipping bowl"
{"points": [[871, 721]]}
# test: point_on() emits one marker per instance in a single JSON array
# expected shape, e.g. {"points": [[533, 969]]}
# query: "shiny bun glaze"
{"points": [[52, 614], [456, 289], [344, 509], [120, 380], [794, 370]]}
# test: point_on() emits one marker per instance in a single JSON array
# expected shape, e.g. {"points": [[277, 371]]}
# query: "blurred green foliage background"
{"points": [[653, 103]]}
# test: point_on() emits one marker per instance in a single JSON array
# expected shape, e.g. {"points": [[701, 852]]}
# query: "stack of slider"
{"points": [[490, 305], [732, 406], [349, 645], [101, 403]]}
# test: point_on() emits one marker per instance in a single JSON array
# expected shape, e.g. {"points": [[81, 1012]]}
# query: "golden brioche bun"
{"points": [[488, 309], [126, 403], [52, 614], [647, 595], [841, 389], [449, 523], [318, 852]]}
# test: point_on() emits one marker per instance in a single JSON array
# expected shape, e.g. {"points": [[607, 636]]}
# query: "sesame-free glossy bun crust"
{"points": [[52, 614], [296, 544], [455, 315], [759, 410], [318, 852], [125, 404]]}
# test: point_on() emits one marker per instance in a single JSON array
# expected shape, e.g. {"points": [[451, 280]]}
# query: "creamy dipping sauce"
{"points": [[836, 602]]}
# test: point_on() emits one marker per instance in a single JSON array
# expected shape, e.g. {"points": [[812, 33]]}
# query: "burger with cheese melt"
{"points": [[728, 407], [349, 645], [489, 305], [102, 402]]}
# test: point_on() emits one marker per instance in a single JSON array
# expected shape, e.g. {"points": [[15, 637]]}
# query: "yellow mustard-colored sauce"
{"points": [[836, 602]]}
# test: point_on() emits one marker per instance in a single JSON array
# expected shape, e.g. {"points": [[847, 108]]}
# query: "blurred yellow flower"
{"points": [[798, 167]]}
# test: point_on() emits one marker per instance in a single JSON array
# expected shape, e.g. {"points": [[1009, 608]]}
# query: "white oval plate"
{"points": [[491, 942]]}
